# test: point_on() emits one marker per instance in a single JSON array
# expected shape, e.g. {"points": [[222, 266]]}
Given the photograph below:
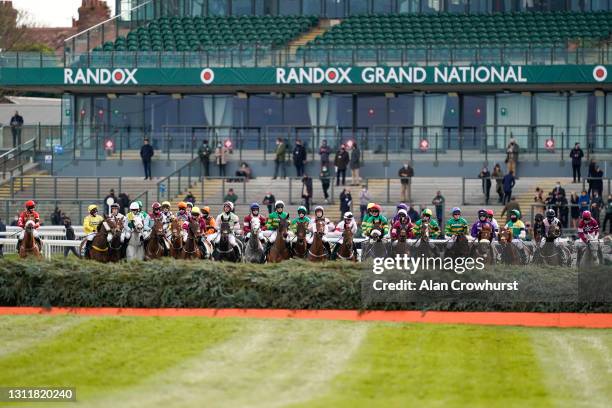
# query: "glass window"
{"points": [[408, 6], [265, 110], [358, 7], [160, 111], [401, 110], [383, 6], [192, 111], [431, 6], [197, 8], [296, 110], [289, 7], [597, 5], [371, 110], [480, 6], [217, 7], [456, 6], [312, 7], [259, 7], [503, 5], [344, 110], [241, 7], [335, 8]]}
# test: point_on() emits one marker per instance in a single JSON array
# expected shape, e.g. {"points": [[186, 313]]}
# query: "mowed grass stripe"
{"points": [[18, 333], [110, 353], [440, 366], [269, 363], [577, 365]]}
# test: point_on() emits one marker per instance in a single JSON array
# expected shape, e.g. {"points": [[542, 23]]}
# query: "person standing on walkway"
{"points": [[16, 125], [146, 154], [608, 217], [269, 201], [364, 199], [355, 165], [204, 153], [499, 178], [405, 173], [509, 183], [325, 178], [576, 154], [279, 158], [324, 153], [307, 191], [512, 151], [299, 157], [485, 176], [346, 201], [341, 162], [221, 153], [2, 229], [70, 236], [439, 201]]}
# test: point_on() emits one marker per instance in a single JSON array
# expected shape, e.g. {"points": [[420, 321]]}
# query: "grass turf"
{"points": [[167, 362]]}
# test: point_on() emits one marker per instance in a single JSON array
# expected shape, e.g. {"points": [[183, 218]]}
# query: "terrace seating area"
{"points": [[470, 30], [170, 34]]}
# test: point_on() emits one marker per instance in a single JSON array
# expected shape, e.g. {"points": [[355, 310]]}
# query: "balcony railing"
{"points": [[266, 56]]}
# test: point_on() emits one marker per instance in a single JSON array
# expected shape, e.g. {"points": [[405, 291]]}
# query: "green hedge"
{"points": [[290, 285]]}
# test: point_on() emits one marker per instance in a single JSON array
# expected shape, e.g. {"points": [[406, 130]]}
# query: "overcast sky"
{"points": [[53, 13]]}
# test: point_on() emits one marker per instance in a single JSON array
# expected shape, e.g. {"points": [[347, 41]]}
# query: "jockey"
{"points": [[493, 221], [246, 227], [538, 226], [402, 220], [189, 208], [348, 219], [320, 216], [116, 217], [376, 217], [483, 219], [366, 216], [167, 214], [195, 215], [301, 218], [588, 228], [551, 219], [29, 214], [434, 228], [134, 214], [457, 225], [226, 216], [182, 214], [210, 221], [156, 212], [516, 225], [274, 220], [91, 225], [400, 206]]}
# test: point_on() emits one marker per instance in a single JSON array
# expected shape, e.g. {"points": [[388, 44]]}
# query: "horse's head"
{"points": [[505, 235], [158, 227], [255, 225], [347, 233], [29, 225], [194, 227], [175, 228], [301, 231], [320, 227], [282, 228], [138, 225], [554, 232], [425, 231], [485, 233]]}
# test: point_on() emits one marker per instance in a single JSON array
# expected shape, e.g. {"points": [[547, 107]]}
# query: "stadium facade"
{"points": [[398, 77]]}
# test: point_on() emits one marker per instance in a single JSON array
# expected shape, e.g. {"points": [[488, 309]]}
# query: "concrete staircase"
{"points": [[309, 36]]}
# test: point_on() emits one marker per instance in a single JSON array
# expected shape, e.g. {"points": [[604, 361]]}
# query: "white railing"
{"points": [[50, 246]]}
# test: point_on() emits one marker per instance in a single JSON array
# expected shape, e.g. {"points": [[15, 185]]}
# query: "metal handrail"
{"points": [[77, 182]]}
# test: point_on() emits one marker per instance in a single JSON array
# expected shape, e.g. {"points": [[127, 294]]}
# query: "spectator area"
{"points": [[199, 33], [499, 29]]}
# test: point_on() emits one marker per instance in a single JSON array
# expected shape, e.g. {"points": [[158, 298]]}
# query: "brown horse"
{"points": [[279, 251], [115, 246], [300, 246], [29, 246], [400, 246], [423, 247], [317, 251], [346, 252], [191, 250], [509, 253], [485, 233], [176, 239], [155, 247], [99, 250]]}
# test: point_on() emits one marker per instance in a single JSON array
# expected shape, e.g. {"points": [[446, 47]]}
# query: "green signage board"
{"points": [[340, 76]]}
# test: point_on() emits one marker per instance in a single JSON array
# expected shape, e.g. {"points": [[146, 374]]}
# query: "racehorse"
{"points": [[254, 251], [191, 249], [156, 245], [317, 251], [423, 247], [590, 255], [279, 251], [176, 239], [509, 253], [115, 246], [459, 249], [346, 252], [300, 246], [484, 248], [223, 251], [401, 246], [29, 246], [548, 253], [135, 249], [100, 247], [375, 247]]}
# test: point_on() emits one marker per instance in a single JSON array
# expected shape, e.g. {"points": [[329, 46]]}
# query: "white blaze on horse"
{"points": [[254, 251]]}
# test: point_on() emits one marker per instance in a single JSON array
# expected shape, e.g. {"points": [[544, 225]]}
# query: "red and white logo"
{"points": [[600, 73], [207, 76]]}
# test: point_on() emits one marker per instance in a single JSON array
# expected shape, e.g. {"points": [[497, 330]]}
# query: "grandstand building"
{"points": [[443, 83]]}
